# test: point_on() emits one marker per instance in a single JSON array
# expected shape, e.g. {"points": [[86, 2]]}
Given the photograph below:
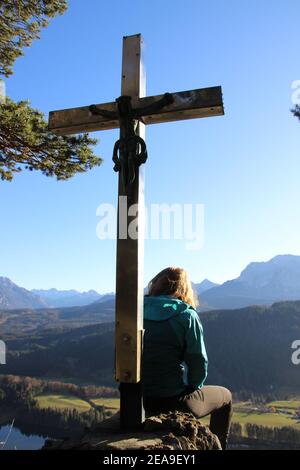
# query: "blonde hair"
{"points": [[174, 282]]}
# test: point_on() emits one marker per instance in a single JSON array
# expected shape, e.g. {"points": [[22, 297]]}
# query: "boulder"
{"points": [[166, 431]]}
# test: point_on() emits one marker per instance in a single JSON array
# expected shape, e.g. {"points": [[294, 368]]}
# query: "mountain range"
{"points": [[249, 347], [13, 296], [66, 298], [260, 283]]}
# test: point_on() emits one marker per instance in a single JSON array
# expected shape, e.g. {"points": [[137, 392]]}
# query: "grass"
{"points": [[62, 402], [288, 405], [243, 414], [265, 419], [110, 403], [70, 401]]}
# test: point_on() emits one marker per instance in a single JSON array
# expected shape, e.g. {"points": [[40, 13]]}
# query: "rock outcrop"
{"points": [[170, 431]]}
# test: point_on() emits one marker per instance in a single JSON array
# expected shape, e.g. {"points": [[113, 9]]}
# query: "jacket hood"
{"points": [[163, 307]]}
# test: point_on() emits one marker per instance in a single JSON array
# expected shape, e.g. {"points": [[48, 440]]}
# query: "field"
{"points": [[110, 403], [62, 401], [288, 405], [275, 414], [70, 401], [265, 419]]}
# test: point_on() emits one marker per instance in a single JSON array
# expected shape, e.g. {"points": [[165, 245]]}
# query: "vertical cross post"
{"points": [[129, 265]]}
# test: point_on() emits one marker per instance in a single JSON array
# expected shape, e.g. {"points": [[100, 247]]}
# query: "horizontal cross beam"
{"points": [[203, 102]]}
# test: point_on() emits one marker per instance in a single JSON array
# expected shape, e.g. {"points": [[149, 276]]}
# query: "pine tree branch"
{"points": [[21, 22], [26, 143]]}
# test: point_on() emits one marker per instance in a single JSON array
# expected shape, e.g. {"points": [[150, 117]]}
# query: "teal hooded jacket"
{"points": [[173, 344]]}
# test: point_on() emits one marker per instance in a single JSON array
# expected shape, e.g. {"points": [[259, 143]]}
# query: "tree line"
{"points": [[29, 387], [17, 397], [25, 141], [284, 435]]}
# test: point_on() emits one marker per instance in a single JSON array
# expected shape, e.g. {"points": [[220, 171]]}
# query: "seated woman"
{"points": [[174, 337]]}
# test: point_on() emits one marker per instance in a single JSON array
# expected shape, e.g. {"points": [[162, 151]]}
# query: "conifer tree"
{"points": [[25, 142]]}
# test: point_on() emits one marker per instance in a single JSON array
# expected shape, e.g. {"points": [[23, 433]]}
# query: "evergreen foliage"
{"points": [[21, 23], [25, 142]]}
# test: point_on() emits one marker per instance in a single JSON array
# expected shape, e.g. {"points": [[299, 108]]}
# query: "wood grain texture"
{"points": [[203, 102], [130, 251]]}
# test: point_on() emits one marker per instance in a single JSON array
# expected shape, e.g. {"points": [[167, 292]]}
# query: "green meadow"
{"points": [[288, 405], [265, 419], [274, 414], [111, 403], [60, 401]]}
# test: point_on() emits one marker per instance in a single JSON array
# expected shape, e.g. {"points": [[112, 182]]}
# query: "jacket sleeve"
{"points": [[195, 356]]}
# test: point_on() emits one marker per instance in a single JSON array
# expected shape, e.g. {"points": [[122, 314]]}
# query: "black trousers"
{"points": [[209, 400]]}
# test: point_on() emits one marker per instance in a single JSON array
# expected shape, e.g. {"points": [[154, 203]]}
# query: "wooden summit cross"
{"points": [[130, 113]]}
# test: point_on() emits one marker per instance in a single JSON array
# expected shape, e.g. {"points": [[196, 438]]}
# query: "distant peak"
{"points": [[5, 280], [206, 282], [285, 257], [278, 259]]}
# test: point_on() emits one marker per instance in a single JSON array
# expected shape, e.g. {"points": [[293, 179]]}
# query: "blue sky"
{"points": [[244, 166]]}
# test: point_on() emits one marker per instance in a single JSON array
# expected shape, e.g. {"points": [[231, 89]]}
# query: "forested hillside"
{"points": [[248, 349]]}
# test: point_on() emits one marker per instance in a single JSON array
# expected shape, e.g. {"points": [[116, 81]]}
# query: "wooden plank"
{"points": [[129, 266], [203, 102], [129, 277]]}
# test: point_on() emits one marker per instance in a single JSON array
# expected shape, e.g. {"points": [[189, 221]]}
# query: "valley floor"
{"points": [[264, 424], [274, 414]]}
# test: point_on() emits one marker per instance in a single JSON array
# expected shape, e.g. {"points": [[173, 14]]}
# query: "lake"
{"points": [[19, 441]]}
